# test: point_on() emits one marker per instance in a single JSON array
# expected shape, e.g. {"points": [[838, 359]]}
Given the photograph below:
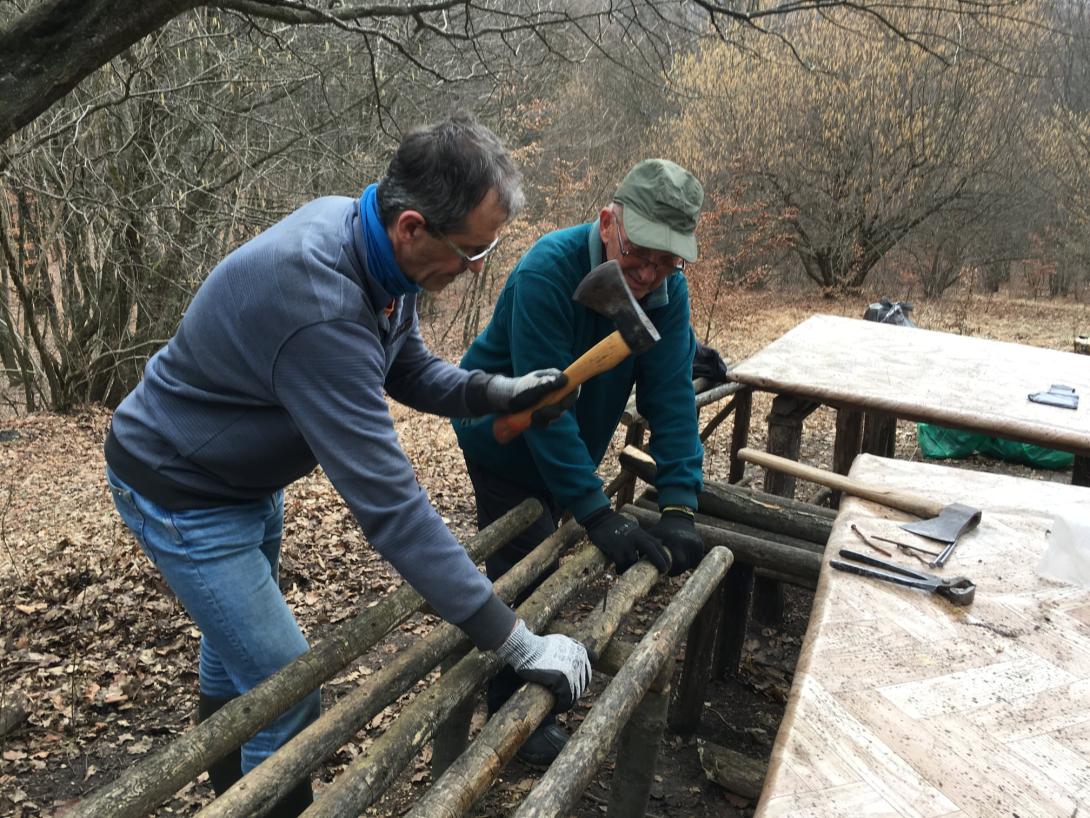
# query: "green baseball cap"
{"points": [[661, 204]]}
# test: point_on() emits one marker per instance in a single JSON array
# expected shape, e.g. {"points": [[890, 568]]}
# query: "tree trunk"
{"points": [[47, 51]]}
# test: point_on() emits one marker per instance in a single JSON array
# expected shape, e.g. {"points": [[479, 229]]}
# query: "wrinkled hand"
{"points": [[557, 662], [504, 394], [623, 541], [676, 531]]}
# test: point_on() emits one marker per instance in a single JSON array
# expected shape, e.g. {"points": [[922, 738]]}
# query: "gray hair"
{"points": [[445, 170]]}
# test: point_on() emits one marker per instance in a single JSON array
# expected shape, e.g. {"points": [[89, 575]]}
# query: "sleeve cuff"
{"points": [[584, 507], [490, 625], [476, 400], [677, 496]]}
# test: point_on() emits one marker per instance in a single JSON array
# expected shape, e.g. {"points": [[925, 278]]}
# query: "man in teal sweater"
{"points": [[648, 229]]}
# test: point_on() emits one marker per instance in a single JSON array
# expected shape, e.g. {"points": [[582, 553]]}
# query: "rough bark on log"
{"points": [[573, 769], [732, 770], [739, 436], [279, 773], [151, 781], [466, 780], [768, 512], [366, 779], [737, 597], [649, 500], [688, 704], [760, 553], [638, 751], [452, 736]]}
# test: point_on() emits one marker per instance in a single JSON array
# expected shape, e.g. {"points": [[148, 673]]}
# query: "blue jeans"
{"points": [[222, 564]]}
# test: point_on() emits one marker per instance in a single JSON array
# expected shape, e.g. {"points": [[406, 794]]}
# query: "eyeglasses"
{"points": [[668, 265], [466, 258]]}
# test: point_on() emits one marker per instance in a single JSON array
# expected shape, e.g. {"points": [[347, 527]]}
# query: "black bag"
{"points": [[708, 363], [885, 311]]}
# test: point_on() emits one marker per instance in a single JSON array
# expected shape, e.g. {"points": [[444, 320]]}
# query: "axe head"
{"points": [[604, 290], [953, 521]]}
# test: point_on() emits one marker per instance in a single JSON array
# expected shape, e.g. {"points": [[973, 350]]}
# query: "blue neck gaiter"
{"points": [[380, 253]]}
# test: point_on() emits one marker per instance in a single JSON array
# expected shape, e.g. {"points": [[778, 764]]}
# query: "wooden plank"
{"points": [[893, 370], [906, 705]]}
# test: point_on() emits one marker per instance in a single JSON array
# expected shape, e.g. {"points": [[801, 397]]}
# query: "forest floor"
{"points": [[105, 658]]}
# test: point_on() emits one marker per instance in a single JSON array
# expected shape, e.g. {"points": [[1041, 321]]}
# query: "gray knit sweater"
{"points": [[281, 363]]}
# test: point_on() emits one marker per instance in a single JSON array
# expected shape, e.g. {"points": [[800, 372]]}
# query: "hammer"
{"points": [[603, 290]]}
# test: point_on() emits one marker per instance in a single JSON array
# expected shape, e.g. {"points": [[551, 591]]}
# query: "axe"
{"points": [[944, 523], [603, 290]]}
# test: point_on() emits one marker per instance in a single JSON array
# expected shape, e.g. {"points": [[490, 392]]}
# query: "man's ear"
{"points": [[605, 222], [408, 225]]}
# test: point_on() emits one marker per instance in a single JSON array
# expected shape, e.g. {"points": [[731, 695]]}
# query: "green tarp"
{"points": [[940, 442]]}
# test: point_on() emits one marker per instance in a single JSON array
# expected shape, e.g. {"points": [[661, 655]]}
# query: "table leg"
{"points": [[688, 704], [1080, 472], [879, 434], [743, 407], [784, 438], [849, 437]]}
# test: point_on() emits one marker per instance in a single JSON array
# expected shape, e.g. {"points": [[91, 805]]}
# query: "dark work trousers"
{"points": [[496, 496]]}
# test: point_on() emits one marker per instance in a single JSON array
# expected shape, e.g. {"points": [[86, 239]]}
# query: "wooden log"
{"points": [[649, 501], [367, 778], [275, 776], [688, 704], [1080, 470], [739, 436], [797, 562], [452, 736], [717, 419], [466, 780], [151, 781], [638, 751], [764, 511], [568, 776], [13, 712], [704, 396], [879, 434], [784, 438], [737, 598], [732, 770], [849, 439]]}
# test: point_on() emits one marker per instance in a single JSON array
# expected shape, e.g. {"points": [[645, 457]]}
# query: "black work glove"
{"points": [[623, 541], [547, 415], [676, 531], [488, 393]]}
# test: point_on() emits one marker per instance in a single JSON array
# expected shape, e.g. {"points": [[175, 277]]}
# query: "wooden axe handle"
{"points": [[601, 357], [901, 500]]}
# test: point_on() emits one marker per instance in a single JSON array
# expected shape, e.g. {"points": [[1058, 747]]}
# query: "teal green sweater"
{"points": [[536, 325]]}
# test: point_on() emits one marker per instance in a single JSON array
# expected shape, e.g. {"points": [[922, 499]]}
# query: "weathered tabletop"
{"points": [[904, 705], [938, 377]]}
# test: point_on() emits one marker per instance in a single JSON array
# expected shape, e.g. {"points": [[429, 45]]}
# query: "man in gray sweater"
{"points": [[283, 362]]}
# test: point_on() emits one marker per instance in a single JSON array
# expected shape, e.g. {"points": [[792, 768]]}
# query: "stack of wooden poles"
{"points": [[630, 711], [773, 537]]}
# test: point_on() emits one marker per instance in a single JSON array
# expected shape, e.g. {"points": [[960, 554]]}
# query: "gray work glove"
{"points": [[622, 540], [557, 662], [505, 395]]}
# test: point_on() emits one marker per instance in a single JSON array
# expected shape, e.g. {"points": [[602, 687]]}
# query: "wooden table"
{"points": [[888, 372], [904, 705]]}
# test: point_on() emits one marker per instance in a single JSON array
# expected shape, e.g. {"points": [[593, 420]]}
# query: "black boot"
{"points": [[225, 772]]}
